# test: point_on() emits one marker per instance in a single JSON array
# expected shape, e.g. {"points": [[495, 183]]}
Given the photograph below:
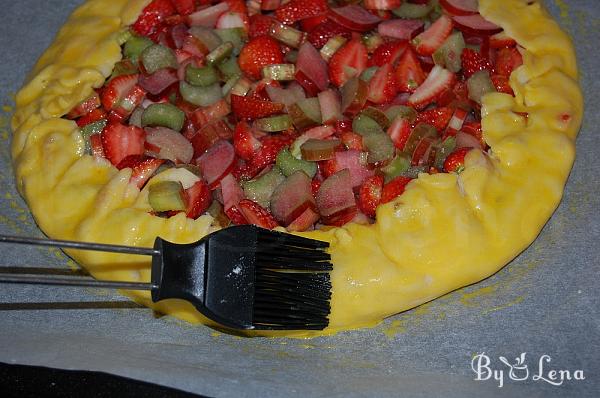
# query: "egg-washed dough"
{"points": [[446, 231]]}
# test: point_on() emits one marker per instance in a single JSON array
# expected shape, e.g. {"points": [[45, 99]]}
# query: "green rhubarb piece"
{"points": [[379, 146], [220, 54], [368, 73], [287, 35], [332, 45], [90, 129], [123, 36], [136, 117], [364, 125], [412, 11], [444, 149], [378, 115], [436, 11], [288, 164], [448, 55], [158, 57], [165, 115], [396, 167], [402, 111], [203, 76], [236, 36], [479, 85], [274, 123], [135, 46], [306, 113], [372, 41], [200, 96], [354, 95], [414, 171], [229, 84], [207, 36], [420, 131], [261, 188], [230, 68], [167, 196], [279, 72]]}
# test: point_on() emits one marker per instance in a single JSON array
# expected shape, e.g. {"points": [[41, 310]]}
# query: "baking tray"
{"points": [[545, 303]]}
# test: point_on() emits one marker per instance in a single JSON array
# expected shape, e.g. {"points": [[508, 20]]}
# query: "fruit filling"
{"points": [[303, 113]]}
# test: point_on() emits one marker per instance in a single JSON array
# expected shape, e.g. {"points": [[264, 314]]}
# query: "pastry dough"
{"points": [[446, 231]]}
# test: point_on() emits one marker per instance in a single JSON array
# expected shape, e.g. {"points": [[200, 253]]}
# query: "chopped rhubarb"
{"points": [[217, 162]]}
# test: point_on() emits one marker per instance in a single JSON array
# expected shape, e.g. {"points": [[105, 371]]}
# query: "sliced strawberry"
{"points": [[502, 84], [94, 116], [399, 132], [257, 53], [209, 114], [260, 25], [308, 24], [352, 140], [403, 29], [184, 7], [383, 87], [270, 5], [427, 42], [308, 85], [335, 194], [382, 4], [388, 53], [251, 108], [394, 188], [292, 197], [369, 195], [217, 162], [199, 199], [347, 62], [304, 221], [354, 17], [122, 95], [120, 141], [500, 40], [96, 145], [244, 141], [84, 107], [455, 162], [238, 6], [437, 82], [460, 7], [230, 19], [321, 34], [266, 155], [342, 217], [409, 73], [507, 60], [296, 10], [437, 117], [152, 15], [232, 194], [458, 119], [424, 153], [472, 61], [142, 168], [256, 214]]}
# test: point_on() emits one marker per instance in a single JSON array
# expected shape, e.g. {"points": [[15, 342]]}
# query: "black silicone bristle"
{"points": [[292, 282]]}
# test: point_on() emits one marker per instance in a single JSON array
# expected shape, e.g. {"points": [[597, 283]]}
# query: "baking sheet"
{"points": [[545, 302]]}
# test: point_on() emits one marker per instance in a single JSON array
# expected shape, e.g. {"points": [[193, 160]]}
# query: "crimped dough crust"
{"points": [[445, 232]]}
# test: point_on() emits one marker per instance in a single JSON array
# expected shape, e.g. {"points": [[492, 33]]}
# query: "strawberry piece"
{"points": [[152, 15], [260, 25], [208, 135], [244, 142], [252, 108], [403, 29], [96, 145], [424, 153], [122, 95], [202, 116], [120, 141], [142, 168], [347, 62], [296, 10], [304, 221], [500, 40], [437, 117], [85, 107], [238, 6], [399, 132], [507, 60], [308, 24], [502, 84], [437, 82], [94, 116], [394, 188], [369, 195], [217, 162], [199, 199], [232, 194], [409, 73], [455, 162], [257, 53], [266, 155], [474, 129], [382, 4], [256, 214], [382, 86], [308, 85], [184, 7], [321, 34], [427, 42], [388, 53], [352, 140], [354, 17], [472, 62], [341, 218]]}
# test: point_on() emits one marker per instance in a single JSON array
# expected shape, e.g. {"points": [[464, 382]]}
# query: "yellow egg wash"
{"points": [[445, 232]]}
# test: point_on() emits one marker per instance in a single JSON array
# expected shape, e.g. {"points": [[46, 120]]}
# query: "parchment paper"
{"points": [[545, 302]]}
